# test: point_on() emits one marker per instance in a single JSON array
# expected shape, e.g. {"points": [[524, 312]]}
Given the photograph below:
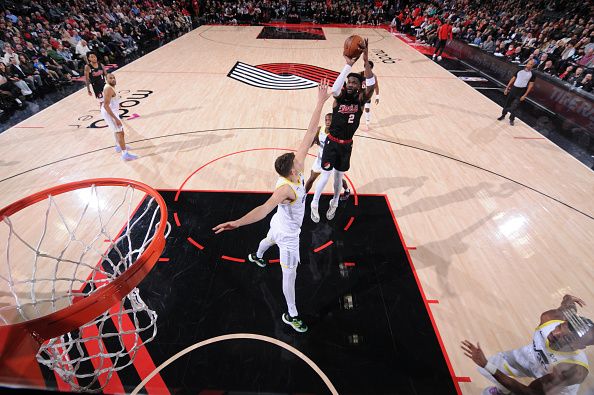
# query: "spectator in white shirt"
{"points": [[8, 54], [82, 49]]}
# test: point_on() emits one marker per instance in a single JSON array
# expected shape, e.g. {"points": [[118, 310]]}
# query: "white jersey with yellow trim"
{"points": [[289, 216], [539, 358]]}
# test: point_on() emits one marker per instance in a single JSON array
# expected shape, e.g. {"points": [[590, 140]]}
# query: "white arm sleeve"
{"points": [[337, 87]]}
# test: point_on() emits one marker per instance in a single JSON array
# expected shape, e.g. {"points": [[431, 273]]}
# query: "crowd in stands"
{"points": [[44, 44], [557, 35], [319, 11]]}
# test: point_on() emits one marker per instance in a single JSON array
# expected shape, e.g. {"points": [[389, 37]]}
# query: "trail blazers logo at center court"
{"points": [[281, 76]]}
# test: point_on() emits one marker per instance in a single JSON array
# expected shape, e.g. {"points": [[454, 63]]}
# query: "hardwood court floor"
{"points": [[503, 226]]}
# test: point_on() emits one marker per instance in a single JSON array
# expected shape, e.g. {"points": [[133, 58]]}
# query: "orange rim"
{"points": [[87, 309]]}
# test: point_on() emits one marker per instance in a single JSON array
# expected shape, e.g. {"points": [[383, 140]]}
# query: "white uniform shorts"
{"points": [[110, 122], [317, 165], [288, 246]]}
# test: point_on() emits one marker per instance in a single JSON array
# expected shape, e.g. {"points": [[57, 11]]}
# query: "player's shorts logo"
{"points": [[326, 166], [281, 76]]}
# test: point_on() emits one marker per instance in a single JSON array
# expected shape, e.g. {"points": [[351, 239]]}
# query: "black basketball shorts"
{"points": [[336, 156]]}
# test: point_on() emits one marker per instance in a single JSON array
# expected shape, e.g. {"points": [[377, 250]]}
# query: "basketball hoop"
{"points": [[71, 271]]}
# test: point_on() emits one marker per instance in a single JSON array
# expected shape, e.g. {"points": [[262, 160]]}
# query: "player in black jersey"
{"points": [[349, 102], [95, 75]]}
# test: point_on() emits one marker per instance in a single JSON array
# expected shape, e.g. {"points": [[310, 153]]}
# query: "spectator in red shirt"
{"points": [[566, 74], [407, 24], [444, 33]]}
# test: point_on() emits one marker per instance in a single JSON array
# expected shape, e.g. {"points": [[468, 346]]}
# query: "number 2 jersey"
{"points": [[346, 115]]}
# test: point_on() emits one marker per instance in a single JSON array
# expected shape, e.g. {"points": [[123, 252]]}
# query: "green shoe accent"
{"points": [[258, 261], [295, 322]]}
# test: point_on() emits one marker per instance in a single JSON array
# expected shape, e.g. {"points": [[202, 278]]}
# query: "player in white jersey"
{"points": [[376, 94], [555, 358], [285, 226], [316, 169], [110, 107]]}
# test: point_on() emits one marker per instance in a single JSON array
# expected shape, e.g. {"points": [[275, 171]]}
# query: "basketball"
{"points": [[353, 46], [193, 155]]}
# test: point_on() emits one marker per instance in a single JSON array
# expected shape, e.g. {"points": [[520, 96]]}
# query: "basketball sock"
{"points": [[345, 185], [367, 116], [337, 186], [322, 181], [264, 245], [289, 276]]}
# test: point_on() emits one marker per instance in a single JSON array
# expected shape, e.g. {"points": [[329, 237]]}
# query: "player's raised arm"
{"points": [[339, 83], [369, 78], [312, 129]]}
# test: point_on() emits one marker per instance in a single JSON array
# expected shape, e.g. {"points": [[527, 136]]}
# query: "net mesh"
{"points": [[72, 245], [109, 343]]}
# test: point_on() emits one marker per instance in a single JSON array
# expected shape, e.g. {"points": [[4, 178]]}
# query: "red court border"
{"points": [[455, 379], [228, 258]]}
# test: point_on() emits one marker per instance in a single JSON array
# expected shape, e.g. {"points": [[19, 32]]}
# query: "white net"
{"points": [[87, 358], [64, 249]]}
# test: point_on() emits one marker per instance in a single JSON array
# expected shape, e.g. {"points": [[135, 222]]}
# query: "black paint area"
{"points": [[292, 33], [369, 331]]}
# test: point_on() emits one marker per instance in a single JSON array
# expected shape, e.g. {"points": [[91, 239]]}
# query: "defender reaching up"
{"points": [[285, 226]]}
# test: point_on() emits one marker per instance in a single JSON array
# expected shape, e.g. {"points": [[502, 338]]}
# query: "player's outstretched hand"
{"points": [[323, 93], [225, 226], [574, 299], [474, 352]]}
